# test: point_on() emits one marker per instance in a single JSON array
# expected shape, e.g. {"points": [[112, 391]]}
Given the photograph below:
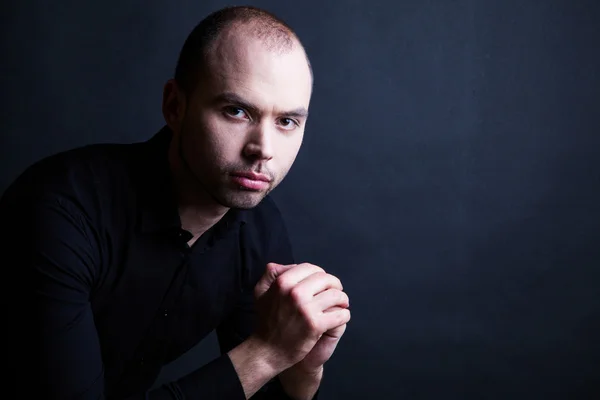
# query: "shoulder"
{"points": [[69, 167], [85, 177]]}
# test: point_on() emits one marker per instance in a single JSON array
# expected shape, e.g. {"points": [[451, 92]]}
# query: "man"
{"points": [[124, 256]]}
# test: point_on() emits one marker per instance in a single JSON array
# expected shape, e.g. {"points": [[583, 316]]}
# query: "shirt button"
{"points": [[142, 361], [166, 313]]}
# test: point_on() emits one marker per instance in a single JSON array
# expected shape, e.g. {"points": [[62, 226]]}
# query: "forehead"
{"points": [[269, 78]]}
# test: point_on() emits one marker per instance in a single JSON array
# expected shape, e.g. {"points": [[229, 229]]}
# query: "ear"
{"points": [[173, 105]]}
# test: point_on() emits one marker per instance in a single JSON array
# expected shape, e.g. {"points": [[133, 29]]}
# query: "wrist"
{"points": [[300, 383], [300, 369], [254, 363], [272, 357]]}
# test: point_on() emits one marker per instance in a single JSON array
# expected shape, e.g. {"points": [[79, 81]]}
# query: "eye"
{"points": [[288, 123], [236, 112]]}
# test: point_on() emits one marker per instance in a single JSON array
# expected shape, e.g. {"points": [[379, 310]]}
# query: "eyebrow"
{"points": [[229, 97]]}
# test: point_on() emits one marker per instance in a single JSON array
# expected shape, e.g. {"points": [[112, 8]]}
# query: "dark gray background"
{"points": [[449, 176]]}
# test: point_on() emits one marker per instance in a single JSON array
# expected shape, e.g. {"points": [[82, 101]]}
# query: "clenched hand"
{"points": [[302, 314]]}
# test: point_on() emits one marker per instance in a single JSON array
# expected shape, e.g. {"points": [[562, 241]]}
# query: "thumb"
{"points": [[272, 271]]}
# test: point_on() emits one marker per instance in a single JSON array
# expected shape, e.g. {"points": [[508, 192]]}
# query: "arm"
{"points": [[54, 347], [277, 344], [253, 364], [251, 361], [234, 334], [249, 357]]}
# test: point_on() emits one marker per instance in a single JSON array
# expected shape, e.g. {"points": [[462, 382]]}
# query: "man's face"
{"points": [[244, 123]]}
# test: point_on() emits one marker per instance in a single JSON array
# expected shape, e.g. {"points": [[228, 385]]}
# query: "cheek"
{"points": [[215, 140]]}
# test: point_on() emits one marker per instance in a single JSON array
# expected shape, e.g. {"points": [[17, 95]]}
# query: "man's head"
{"points": [[238, 105]]}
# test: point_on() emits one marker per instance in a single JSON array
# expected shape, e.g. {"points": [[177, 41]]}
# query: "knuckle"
{"points": [[314, 267], [332, 280], [343, 297], [297, 295], [313, 325], [320, 274], [309, 319], [335, 281], [282, 284], [338, 282]]}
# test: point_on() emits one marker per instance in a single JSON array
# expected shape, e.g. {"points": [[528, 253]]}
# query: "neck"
{"points": [[198, 211]]}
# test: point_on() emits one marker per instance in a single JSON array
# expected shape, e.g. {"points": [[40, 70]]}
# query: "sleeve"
{"points": [[51, 266], [240, 324], [216, 380], [54, 347]]}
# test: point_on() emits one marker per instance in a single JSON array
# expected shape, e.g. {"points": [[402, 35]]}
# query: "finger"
{"points": [[330, 298], [287, 280], [333, 319], [336, 333], [314, 284], [335, 308], [272, 272], [320, 281]]}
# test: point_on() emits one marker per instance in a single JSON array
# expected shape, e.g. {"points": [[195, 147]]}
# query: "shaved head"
{"points": [[223, 25], [237, 107]]}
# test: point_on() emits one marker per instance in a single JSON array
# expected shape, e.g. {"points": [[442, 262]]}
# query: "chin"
{"points": [[242, 199]]}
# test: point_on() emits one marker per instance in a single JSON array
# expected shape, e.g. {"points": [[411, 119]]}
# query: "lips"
{"points": [[251, 180], [252, 176]]}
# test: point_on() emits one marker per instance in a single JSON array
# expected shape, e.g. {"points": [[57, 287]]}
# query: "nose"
{"points": [[260, 143]]}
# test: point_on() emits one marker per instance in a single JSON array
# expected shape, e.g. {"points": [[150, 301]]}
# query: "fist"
{"points": [[302, 312]]}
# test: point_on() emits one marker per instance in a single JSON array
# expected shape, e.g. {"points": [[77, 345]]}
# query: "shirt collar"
{"points": [[157, 197]]}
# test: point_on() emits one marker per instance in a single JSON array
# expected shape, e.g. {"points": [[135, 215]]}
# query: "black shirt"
{"points": [[105, 289]]}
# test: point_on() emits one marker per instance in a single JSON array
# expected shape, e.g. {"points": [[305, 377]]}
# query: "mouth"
{"points": [[251, 180]]}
